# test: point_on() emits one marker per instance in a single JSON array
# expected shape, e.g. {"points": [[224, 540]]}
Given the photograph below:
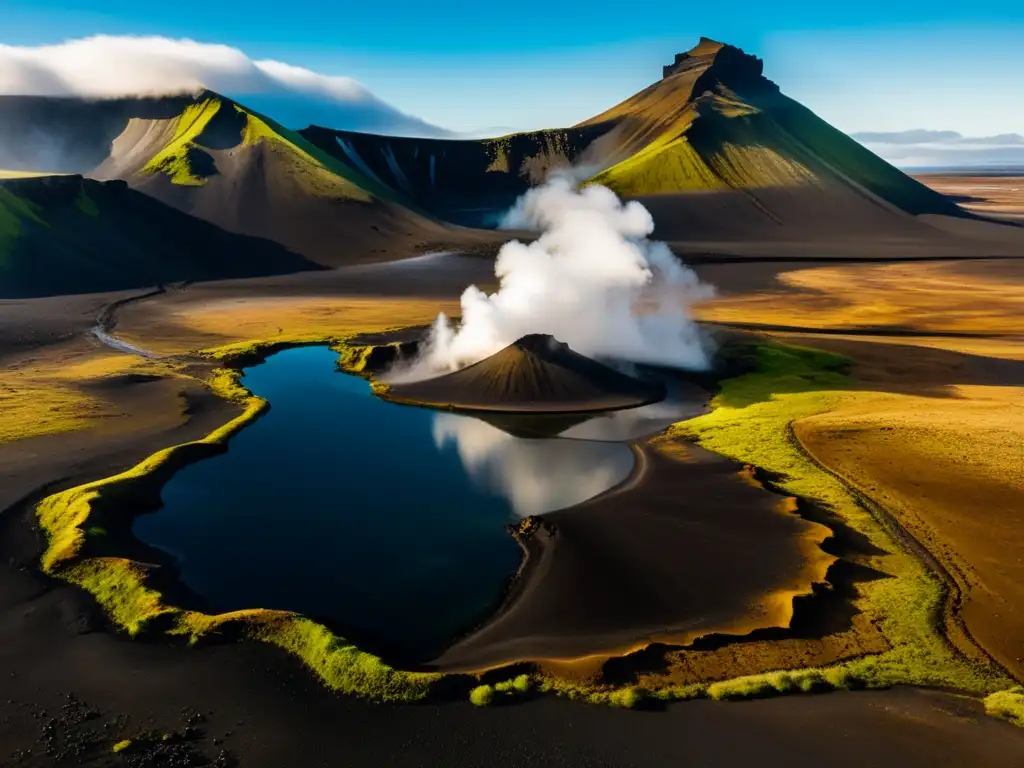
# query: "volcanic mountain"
{"points": [[536, 374], [66, 234], [723, 160], [713, 149], [210, 157]]}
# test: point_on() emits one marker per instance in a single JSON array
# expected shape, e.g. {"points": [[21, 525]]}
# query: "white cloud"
{"points": [[109, 67]]}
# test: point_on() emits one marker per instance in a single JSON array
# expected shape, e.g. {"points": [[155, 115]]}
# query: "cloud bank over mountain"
{"points": [[110, 66], [922, 148]]}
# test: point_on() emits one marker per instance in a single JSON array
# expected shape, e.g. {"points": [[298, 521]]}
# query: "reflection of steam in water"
{"points": [[632, 423], [683, 402], [536, 476]]}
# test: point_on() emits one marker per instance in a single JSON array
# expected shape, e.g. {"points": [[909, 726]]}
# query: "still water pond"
{"points": [[386, 522]]}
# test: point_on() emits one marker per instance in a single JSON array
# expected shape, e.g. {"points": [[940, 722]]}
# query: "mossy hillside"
{"points": [[839, 151], [722, 144], [14, 213], [447, 175], [668, 166], [173, 160], [87, 205], [750, 422], [749, 137], [323, 174], [320, 173]]}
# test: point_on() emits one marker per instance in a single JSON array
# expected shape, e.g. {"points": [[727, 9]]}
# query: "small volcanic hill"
{"points": [[537, 374], [66, 234]]}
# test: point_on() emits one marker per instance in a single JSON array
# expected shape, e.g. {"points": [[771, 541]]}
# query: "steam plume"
{"points": [[592, 280]]}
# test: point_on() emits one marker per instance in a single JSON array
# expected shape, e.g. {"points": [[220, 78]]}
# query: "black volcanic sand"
{"points": [[688, 548], [537, 373], [266, 711]]}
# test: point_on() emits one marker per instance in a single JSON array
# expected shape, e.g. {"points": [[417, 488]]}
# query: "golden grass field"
{"points": [[982, 194], [44, 393], [984, 297], [952, 471], [949, 466], [228, 321]]}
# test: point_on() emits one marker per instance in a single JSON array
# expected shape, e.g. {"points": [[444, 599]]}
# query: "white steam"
{"points": [[592, 280], [113, 66]]}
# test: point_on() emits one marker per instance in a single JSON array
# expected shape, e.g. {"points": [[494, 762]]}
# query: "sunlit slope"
{"points": [[715, 139], [66, 234], [246, 173], [467, 181]]}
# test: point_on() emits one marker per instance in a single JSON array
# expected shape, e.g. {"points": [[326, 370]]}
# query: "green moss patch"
{"points": [[14, 211], [1008, 704], [174, 159]]}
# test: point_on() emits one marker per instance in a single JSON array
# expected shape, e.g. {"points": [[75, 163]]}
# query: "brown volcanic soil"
{"points": [[537, 373], [659, 560]]}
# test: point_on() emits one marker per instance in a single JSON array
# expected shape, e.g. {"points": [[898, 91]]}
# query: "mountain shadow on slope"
{"points": [[65, 234]]}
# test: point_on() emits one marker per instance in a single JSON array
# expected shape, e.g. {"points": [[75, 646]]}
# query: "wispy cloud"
{"points": [[109, 67], [921, 147]]}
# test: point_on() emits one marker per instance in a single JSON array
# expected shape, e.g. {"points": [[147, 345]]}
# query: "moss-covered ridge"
{"points": [[178, 158], [750, 422], [214, 123]]}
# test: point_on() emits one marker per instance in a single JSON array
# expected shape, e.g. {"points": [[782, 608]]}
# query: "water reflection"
{"points": [[634, 423], [535, 476]]}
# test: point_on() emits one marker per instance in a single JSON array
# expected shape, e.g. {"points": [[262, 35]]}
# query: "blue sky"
{"points": [[874, 66]]}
